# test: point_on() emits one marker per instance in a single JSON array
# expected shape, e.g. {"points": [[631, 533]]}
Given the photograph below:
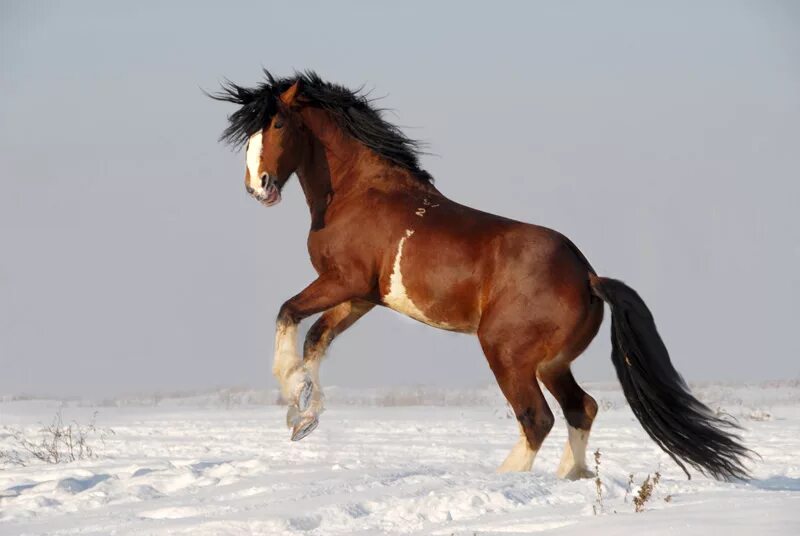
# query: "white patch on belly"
{"points": [[397, 298], [253, 159]]}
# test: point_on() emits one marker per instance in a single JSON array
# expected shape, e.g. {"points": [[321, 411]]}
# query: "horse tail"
{"points": [[681, 425]]}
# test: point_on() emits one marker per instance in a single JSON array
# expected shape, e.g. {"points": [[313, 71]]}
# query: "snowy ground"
{"points": [[194, 466]]}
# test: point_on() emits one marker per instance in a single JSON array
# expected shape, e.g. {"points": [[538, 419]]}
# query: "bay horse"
{"points": [[382, 234]]}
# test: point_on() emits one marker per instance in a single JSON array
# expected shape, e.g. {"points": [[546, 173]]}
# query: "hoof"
{"points": [[305, 426], [578, 473], [292, 415], [304, 396]]}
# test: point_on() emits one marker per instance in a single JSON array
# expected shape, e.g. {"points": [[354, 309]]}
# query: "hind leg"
{"points": [[535, 422], [521, 456], [579, 410], [515, 371]]}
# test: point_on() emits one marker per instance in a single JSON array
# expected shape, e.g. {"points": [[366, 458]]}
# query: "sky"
{"points": [[663, 139]]}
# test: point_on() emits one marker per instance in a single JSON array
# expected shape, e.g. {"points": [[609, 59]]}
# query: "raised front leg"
{"points": [[332, 322], [296, 383]]}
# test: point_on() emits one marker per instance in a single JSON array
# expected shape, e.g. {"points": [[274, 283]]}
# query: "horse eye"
{"points": [[278, 123]]}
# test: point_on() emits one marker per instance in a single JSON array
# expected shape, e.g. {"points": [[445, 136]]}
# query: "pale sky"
{"points": [[664, 140]]}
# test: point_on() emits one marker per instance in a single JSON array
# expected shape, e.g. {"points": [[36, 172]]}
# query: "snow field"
{"points": [[181, 468]]}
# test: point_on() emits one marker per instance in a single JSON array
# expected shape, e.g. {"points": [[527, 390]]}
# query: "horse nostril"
{"points": [[249, 190], [264, 180]]}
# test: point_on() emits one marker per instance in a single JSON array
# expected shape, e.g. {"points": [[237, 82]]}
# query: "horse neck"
{"points": [[348, 164], [315, 180]]}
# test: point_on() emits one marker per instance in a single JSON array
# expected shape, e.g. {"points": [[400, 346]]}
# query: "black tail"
{"points": [[679, 423]]}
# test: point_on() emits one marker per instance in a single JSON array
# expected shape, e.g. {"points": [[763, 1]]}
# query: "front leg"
{"points": [[295, 382], [327, 327]]}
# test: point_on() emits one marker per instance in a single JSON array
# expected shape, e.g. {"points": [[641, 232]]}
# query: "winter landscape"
{"points": [[146, 265], [398, 461]]}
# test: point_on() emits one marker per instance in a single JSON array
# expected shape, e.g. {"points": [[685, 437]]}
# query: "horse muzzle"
{"points": [[269, 193]]}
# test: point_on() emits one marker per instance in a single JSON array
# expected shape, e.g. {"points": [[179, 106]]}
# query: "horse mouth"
{"points": [[272, 195], [269, 195]]}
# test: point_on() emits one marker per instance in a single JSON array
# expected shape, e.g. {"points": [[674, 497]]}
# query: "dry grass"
{"points": [[628, 488], [597, 507], [56, 443], [643, 496], [646, 492]]}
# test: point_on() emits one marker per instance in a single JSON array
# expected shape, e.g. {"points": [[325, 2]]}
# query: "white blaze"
{"points": [[253, 159]]}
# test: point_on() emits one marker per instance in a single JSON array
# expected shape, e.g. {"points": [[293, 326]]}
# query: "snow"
{"points": [[213, 463]]}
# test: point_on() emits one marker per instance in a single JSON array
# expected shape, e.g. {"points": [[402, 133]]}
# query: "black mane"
{"points": [[351, 110]]}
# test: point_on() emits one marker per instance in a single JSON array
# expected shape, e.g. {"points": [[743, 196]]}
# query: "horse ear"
{"points": [[289, 97]]}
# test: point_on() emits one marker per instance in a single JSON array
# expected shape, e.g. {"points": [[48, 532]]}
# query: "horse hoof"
{"points": [[304, 398], [304, 427], [578, 473]]}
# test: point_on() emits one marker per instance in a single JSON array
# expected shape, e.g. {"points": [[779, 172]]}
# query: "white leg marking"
{"points": [[520, 458], [303, 417], [573, 461], [317, 398], [253, 159], [288, 365]]}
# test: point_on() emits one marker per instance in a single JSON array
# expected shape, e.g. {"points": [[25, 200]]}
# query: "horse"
{"points": [[383, 235]]}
